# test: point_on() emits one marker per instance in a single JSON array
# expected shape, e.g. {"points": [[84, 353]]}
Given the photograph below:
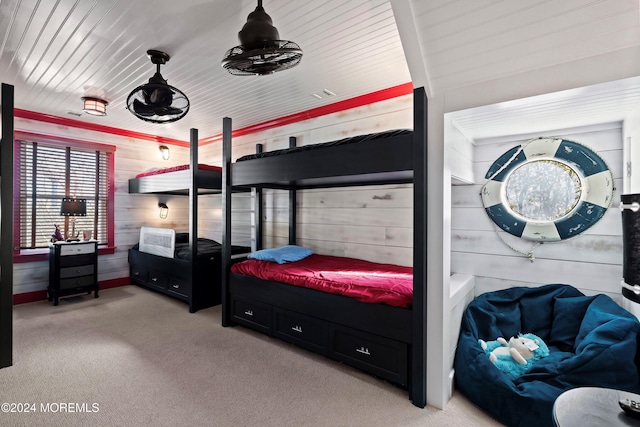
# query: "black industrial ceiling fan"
{"points": [[260, 51], [157, 101]]}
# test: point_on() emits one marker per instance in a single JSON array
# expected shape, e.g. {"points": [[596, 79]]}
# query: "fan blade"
{"points": [[142, 109], [166, 111]]}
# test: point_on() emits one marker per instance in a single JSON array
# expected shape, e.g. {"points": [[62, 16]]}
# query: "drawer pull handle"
{"points": [[297, 328], [363, 350], [176, 286], [154, 279], [249, 312], [136, 273]]}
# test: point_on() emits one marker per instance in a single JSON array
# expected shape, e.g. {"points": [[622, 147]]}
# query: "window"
{"points": [[49, 169]]}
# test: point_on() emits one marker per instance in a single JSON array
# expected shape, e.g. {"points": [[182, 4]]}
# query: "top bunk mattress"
{"points": [[363, 280], [344, 141], [201, 166]]}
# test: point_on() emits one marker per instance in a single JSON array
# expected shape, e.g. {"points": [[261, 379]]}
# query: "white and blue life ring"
{"points": [[548, 189]]}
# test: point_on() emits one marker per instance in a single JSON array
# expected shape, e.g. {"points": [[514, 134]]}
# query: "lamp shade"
{"points": [[94, 106], [73, 207], [631, 246]]}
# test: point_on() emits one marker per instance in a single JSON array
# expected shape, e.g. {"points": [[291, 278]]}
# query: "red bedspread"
{"points": [[363, 280], [201, 166]]}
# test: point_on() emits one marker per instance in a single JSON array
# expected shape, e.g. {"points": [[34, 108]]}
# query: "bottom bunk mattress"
{"points": [[362, 280]]}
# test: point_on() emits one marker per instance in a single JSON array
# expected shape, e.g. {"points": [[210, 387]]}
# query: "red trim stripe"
{"points": [[47, 118], [336, 107]]}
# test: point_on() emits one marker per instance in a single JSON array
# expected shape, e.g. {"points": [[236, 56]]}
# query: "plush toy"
{"points": [[516, 356], [57, 235]]}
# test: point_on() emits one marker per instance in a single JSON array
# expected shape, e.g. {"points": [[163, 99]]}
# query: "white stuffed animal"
{"points": [[519, 348]]}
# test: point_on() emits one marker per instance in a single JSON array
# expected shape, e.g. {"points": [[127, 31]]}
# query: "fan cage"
{"points": [[278, 56], [180, 101]]}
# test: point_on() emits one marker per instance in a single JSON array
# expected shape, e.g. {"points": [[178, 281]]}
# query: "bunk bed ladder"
{"points": [[418, 358]]}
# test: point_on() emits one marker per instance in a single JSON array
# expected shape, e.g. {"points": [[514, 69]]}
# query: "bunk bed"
{"points": [[384, 340], [193, 274]]}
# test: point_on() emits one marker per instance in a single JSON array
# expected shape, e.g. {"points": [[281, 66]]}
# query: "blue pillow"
{"points": [[282, 254]]}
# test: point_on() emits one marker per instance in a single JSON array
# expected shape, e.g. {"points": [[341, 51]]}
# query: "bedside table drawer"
{"points": [[77, 249], [82, 270], [378, 355], [73, 260], [302, 330], [253, 314], [77, 282]]}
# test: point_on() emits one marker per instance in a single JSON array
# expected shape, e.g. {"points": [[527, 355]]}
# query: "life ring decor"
{"points": [[547, 190]]}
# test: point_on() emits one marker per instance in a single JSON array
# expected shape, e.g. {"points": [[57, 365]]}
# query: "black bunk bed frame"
{"points": [[386, 341], [191, 281]]}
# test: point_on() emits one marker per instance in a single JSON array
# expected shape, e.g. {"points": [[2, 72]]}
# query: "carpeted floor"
{"points": [[136, 358]]}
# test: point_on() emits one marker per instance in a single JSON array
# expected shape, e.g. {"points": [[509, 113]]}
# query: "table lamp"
{"points": [[73, 207]]}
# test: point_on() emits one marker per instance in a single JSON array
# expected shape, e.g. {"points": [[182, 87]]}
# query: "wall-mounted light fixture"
{"points": [[95, 106], [165, 152], [164, 210]]}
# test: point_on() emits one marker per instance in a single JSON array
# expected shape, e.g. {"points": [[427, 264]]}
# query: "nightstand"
{"points": [[73, 269]]}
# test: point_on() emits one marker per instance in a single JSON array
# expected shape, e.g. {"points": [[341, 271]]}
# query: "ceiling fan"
{"points": [[260, 52], [157, 101]]}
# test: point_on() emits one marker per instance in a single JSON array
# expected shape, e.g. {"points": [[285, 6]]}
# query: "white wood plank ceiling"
{"points": [[55, 52]]}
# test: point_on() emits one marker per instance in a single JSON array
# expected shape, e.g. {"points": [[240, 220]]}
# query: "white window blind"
{"points": [[49, 172]]}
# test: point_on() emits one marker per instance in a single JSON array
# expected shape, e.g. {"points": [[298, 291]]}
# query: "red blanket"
{"points": [[363, 280], [201, 166]]}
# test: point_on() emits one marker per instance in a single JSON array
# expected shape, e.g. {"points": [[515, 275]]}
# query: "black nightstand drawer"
{"points": [[253, 314], [305, 331], [73, 260], [76, 282], [82, 270], [157, 280], [178, 288], [378, 355]]}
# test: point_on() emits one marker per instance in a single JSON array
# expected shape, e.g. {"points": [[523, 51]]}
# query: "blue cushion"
{"points": [[282, 254], [595, 348]]}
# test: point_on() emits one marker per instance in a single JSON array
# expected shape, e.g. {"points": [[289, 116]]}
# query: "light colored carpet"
{"points": [[137, 358]]}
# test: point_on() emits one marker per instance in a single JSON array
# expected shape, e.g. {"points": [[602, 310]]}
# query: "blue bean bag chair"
{"points": [[592, 342]]}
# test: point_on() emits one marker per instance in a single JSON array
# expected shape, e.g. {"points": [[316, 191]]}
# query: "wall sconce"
{"points": [[165, 152], [95, 106], [164, 210]]}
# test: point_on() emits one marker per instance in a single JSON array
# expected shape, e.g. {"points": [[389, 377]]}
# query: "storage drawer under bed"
{"points": [[380, 356], [307, 332], [253, 314]]}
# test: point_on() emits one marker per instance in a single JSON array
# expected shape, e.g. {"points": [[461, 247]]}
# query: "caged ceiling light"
{"points": [[94, 106], [260, 51]]}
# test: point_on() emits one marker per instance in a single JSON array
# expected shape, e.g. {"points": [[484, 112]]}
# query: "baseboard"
{"points": [[41, 295]]}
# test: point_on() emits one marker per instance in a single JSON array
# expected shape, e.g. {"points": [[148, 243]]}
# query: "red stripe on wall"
{"points": [[34, 296], [336, 107], [32, 115]]}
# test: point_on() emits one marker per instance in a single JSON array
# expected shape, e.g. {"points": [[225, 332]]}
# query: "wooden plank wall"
{"points": [[370, 222], [591, 262], [132, 210]]}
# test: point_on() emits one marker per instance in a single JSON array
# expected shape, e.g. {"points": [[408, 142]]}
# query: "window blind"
{"points": [[49, 172]]}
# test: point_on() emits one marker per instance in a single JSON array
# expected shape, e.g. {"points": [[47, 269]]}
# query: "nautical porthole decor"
{"points": [[547, 190]]}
